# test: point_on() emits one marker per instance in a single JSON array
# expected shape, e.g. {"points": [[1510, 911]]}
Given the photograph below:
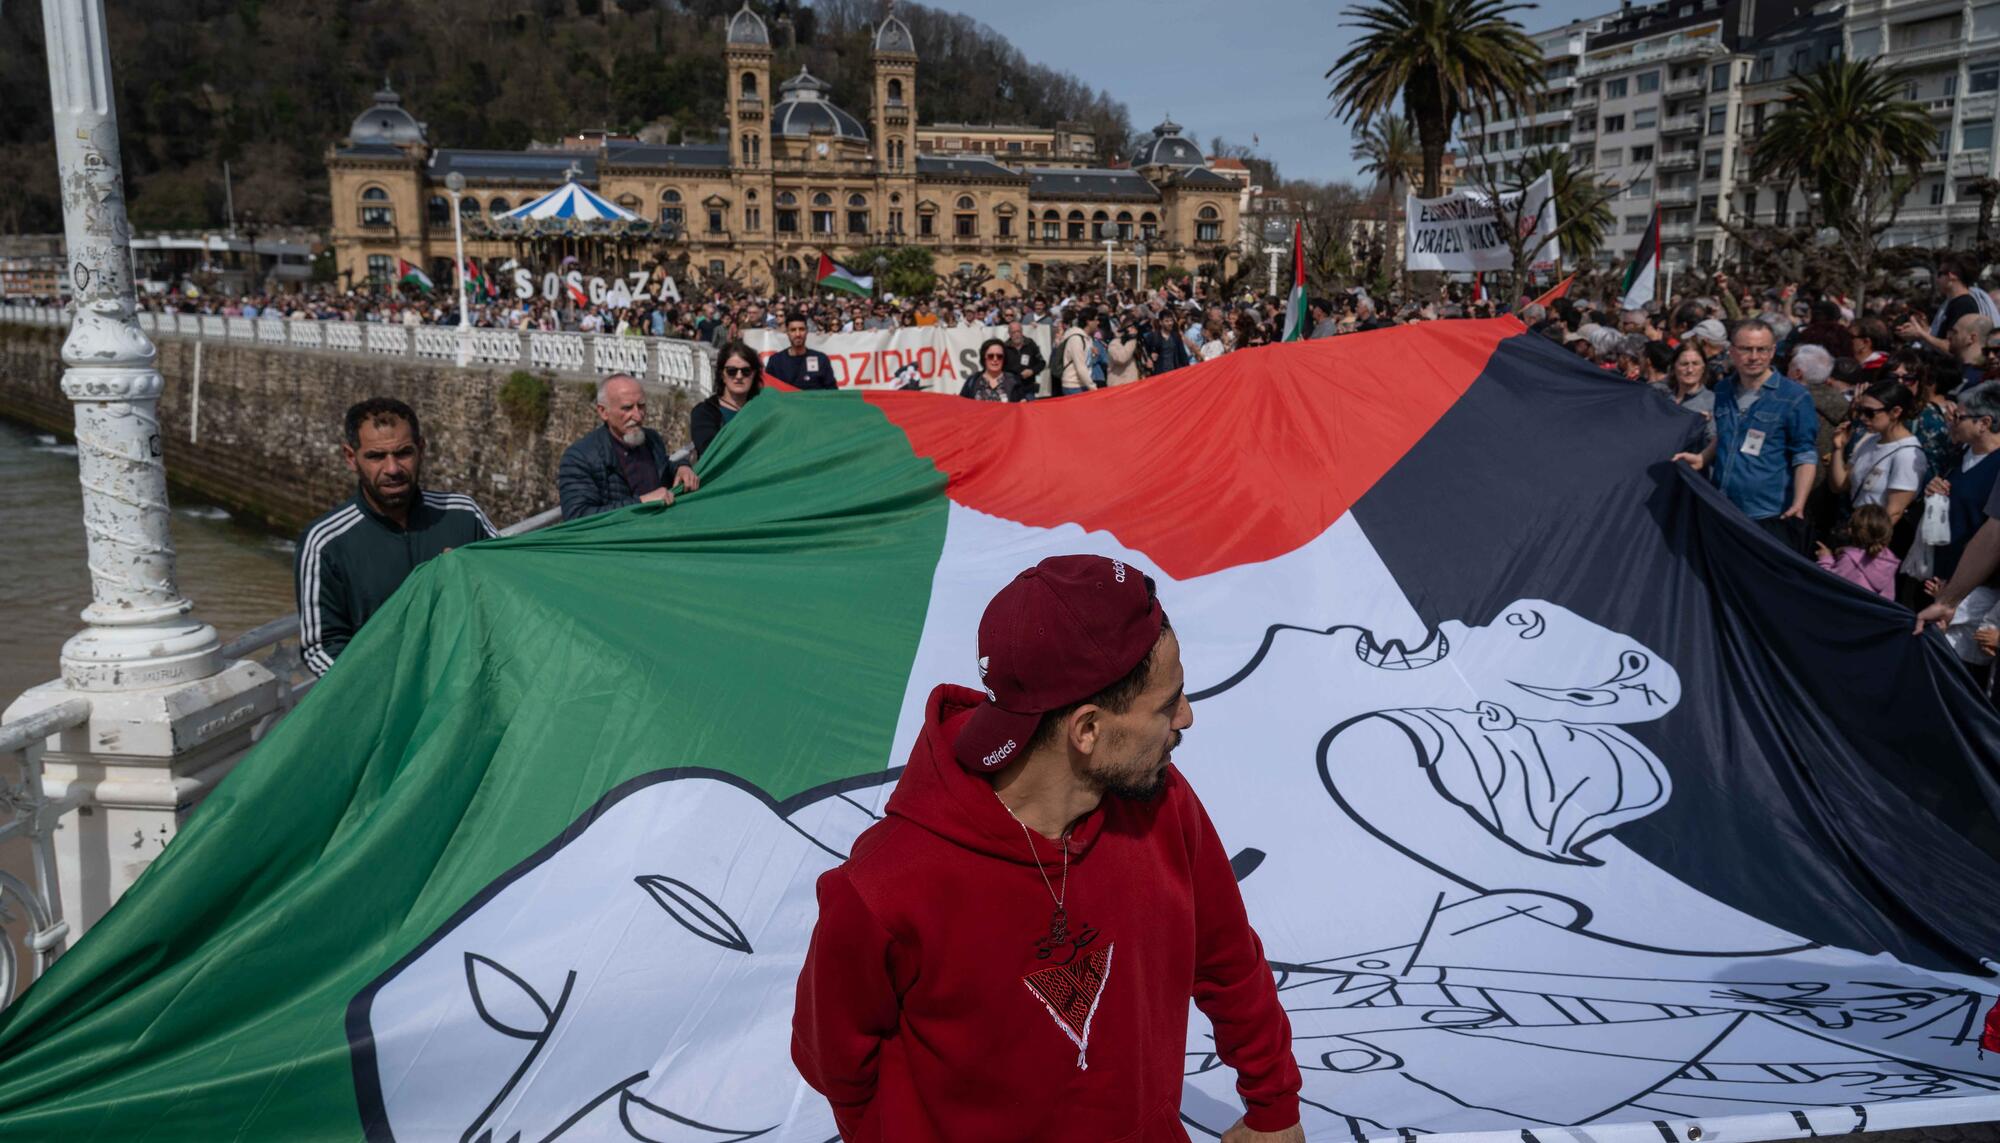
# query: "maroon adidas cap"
{"points": [[1057, 634]]}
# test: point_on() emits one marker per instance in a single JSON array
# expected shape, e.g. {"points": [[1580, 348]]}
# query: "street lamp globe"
{"points": [[455, 183]]}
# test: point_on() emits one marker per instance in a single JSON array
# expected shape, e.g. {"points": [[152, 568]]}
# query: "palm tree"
{"points": [[1441, 58], [1583, 210], [1849, 137], [1388, 150]]}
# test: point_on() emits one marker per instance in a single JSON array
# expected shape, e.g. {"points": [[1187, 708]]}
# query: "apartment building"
{"points": [[1951, 51]]}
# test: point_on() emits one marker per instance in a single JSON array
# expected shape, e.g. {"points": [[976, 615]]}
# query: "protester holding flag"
{"points": [[738, 378], [1764, 452], [994, 381], [620, 462], [1052, 795]]}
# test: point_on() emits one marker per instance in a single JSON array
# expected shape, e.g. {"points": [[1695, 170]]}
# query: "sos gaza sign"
{"points": [[598, 291]]}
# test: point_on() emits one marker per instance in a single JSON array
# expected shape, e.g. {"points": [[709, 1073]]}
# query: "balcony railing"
{"points": [[684, 365], [1686, 85], [1679, 161], [1681, 125]]}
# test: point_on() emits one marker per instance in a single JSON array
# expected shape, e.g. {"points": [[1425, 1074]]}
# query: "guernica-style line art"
{"points": [[1429, 851]]}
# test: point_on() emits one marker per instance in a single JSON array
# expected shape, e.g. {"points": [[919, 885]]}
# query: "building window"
{"points": [[1643, 153], [1614, 88], [1645, 119], [926, 225], [1004, 270], [895, 222], [1640, 188], [1976, 135], [1983, 79], [381, 268], [1709, 203], [715, 224], [716, 269], [749, 86], [1051, 227], [895, 93], [375, 208], [1125, 225], [1718, 120], [1208, 225], [438, 211], [788, 221], [1004, 225], [500, 206], [857, 222], [1637, 223], [965, 225], [822, 222], [1149, 227], [1076, 233], [672, 214], [1613, 123], [1648, 82], [1711, 165], [753, 218], [1612, 156], [1937, 193]]}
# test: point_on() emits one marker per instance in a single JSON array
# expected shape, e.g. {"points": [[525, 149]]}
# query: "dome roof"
{"points": [[804, 111], [894, 37], [385, 122], [747, 27], [1167, 147]]}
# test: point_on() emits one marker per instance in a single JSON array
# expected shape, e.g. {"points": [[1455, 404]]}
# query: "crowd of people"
{"points": [[1857, 436]]}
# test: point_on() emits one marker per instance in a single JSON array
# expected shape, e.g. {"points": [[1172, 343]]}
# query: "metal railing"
{"points": [[684, 365], [26, 811]]}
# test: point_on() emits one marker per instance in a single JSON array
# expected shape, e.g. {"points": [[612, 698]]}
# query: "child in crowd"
{"points": [[1865, 559]]}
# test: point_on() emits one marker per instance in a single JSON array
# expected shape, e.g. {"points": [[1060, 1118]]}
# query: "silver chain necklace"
{"points": [[1058, 920]]}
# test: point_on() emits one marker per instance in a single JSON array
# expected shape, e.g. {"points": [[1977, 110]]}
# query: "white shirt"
{"points": [[1879, 469]]}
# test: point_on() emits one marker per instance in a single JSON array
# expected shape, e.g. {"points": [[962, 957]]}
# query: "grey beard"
{"points": [[634, 438]]}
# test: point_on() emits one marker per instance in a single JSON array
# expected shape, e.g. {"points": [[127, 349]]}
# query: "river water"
{"points": [[238, 576]]}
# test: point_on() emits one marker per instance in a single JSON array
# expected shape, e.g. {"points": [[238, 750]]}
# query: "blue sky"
{"points": [[1230, 69]]}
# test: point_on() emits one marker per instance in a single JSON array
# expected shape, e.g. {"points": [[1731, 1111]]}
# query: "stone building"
{"points": [[794, 175]]}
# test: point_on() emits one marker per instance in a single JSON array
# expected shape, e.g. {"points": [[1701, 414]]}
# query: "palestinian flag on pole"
{"points": [[1298, 323], [408, 275], [834, 276], [510, 872], [1558, 290], [1642, 277], [475, 278]]}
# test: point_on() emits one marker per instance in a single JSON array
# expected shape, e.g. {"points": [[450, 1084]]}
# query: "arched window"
{"points": [[1003, 220], [437, 211], [857, 200], [375, 208], [499, 206], [749, 85], [787, 198], [965, 202], [468, 206], [1076, 227], [1099, 216], [1208, 225], [822, 213], [1149, 226], [895, 200], [1051, 226], [673, 214], [1125, 225], [857, 214], [895, 93], [822, 199], [670, 195], [964, 223], [750, 196]]}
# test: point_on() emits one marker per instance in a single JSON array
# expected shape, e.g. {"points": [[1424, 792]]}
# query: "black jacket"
{"points": [[351, 560], [1167, 350], [705, 420], [813, 370], [1027, 363], [589, 480]]}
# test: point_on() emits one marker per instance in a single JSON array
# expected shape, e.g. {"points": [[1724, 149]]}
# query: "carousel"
{"points": [[571, 225]]}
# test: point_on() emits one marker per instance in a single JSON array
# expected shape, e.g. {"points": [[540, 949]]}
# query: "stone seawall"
{"points": [[265, 440]]}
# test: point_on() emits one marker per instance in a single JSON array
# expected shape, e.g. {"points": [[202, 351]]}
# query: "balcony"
{"points": [[1678, 161], [1686, 85], [1676, 231], [1940, 106], [1686, 50], [1676, 196], [1584, 106], [1682, 125]]}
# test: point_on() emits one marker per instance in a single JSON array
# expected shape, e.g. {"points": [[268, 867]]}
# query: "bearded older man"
{"points": [[621, 461]]}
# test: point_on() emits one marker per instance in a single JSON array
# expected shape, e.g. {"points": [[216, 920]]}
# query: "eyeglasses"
{"points": [[996, 357], [1869, 412], [739, 371]]}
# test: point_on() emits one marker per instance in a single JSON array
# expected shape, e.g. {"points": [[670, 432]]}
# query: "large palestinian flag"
{"points": [[1559, 793]]}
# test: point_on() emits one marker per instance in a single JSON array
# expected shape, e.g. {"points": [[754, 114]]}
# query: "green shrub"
{"points": [[524, 398]]}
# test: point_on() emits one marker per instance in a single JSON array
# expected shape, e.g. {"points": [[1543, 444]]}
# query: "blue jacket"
{"points": [[589, 480], [1761, 484]]}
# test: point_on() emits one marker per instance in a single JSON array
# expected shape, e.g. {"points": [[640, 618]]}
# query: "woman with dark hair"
{"points": [[739, 376], [1931, 411], [1687, 383], [1888, 467], [993, 382]]}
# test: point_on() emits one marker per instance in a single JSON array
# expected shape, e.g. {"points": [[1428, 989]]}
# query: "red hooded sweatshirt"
{"points": [[933, 1006]]}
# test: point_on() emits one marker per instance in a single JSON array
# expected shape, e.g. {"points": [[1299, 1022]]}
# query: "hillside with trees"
{"points": [[265, 85]]}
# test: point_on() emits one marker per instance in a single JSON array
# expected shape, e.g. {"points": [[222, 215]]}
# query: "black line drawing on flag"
{"points": [[1501, 936]]}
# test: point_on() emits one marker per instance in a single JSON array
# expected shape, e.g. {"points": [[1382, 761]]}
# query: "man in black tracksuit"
{"points": [[351, 560]]}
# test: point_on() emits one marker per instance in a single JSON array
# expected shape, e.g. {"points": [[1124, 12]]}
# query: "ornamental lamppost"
{"points": [[1109, 233], [1273, 251], [1139, 253], [455, 183]]}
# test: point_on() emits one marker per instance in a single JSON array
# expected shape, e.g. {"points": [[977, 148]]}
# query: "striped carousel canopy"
{"points": [[572, 202]]}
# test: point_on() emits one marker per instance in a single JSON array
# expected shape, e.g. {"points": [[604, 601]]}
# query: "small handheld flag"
{"points": [[409, 275], [833, 276], [1644, 273], [1560, 289], [1296, 327]]}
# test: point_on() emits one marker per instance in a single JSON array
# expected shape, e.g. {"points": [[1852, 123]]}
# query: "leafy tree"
{"points": [[1849, 137], [1438, 58], [1388, 151], [906, 270]]}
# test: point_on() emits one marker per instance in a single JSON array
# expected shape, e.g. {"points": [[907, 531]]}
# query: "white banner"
{"points": [[1460, 231], [943, 358]]}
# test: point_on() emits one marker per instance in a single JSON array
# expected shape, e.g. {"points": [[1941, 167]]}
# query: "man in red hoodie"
{"points": [[1008, 955]]}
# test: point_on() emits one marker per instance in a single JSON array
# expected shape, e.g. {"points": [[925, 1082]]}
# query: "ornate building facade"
{"points": [[795, 175]]}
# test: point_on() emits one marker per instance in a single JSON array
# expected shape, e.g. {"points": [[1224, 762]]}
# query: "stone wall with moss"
{"points": [[265, 440]]}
